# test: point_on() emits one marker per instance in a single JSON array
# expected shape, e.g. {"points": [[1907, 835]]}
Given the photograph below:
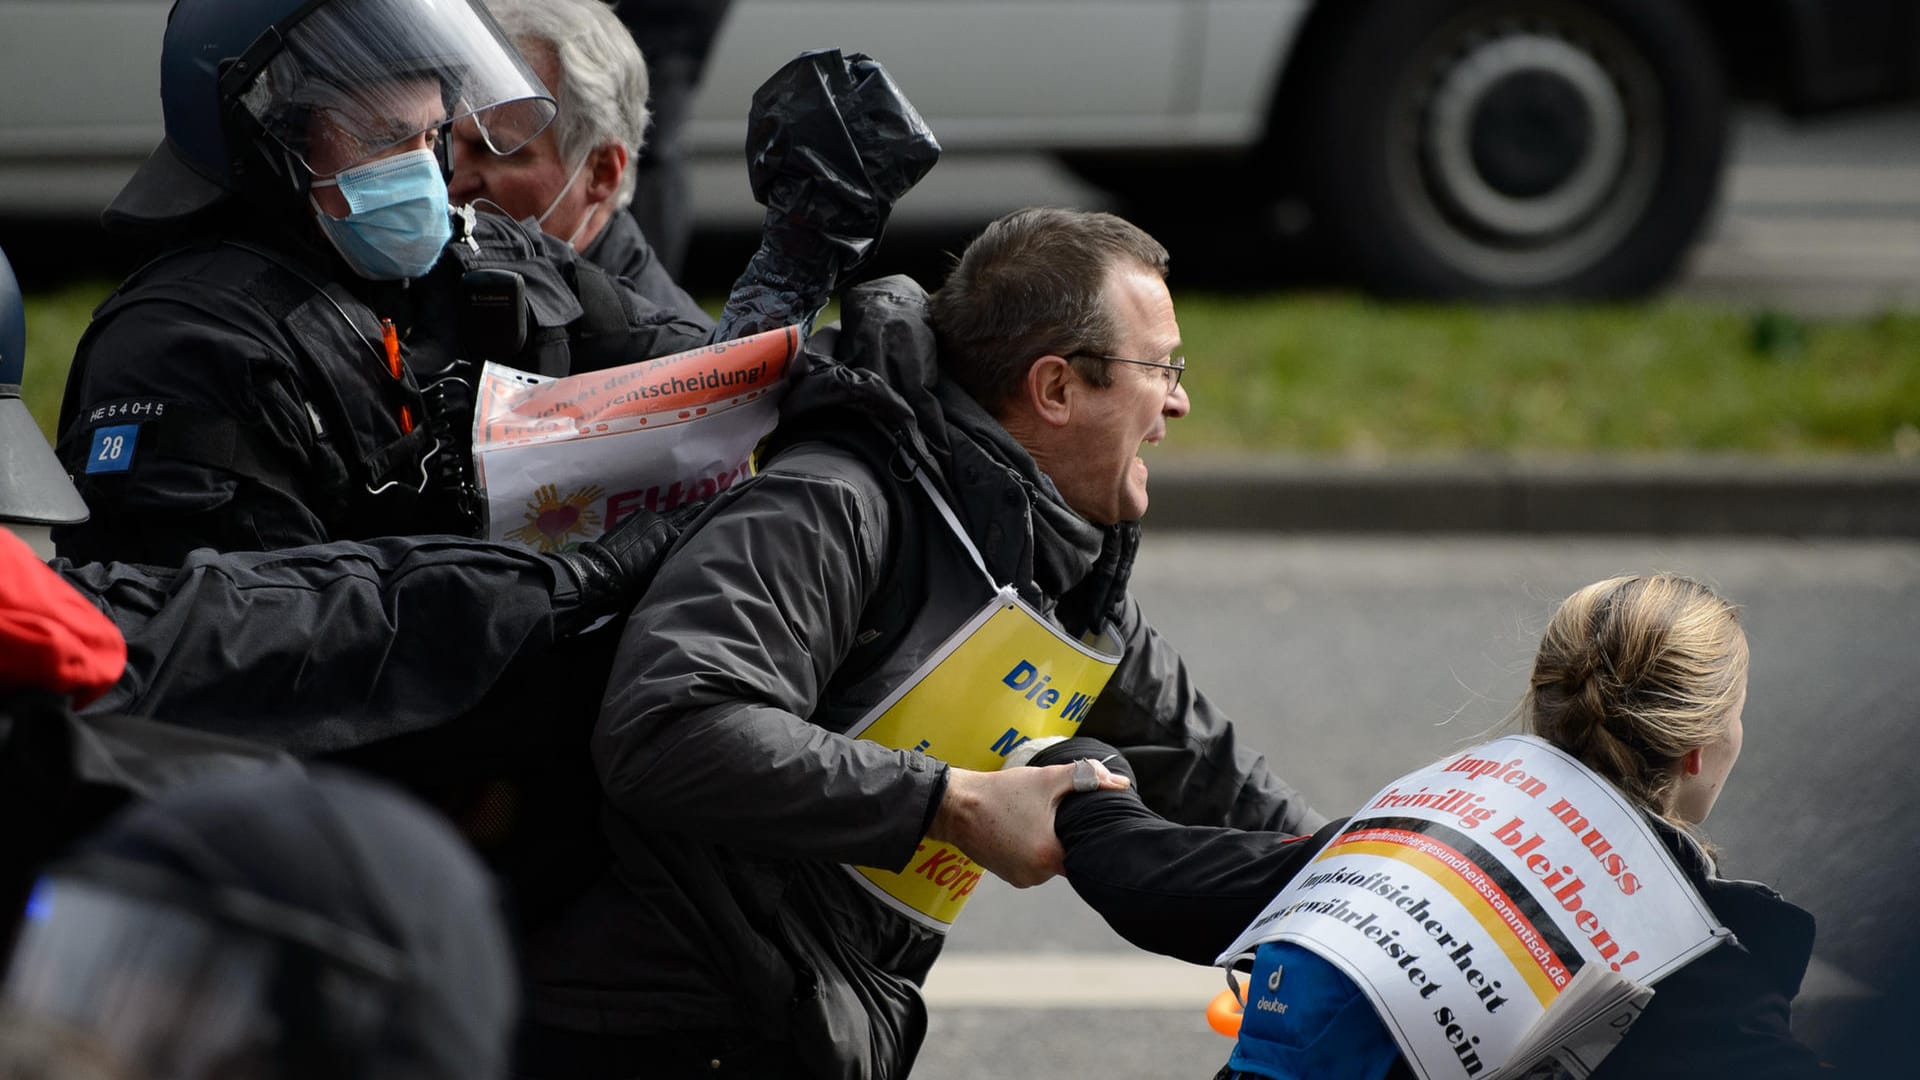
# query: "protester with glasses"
{"points": [[801, 736], [1171, 368]]}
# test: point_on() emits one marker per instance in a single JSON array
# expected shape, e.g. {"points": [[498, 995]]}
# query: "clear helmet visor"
{"points": [[168, 992], [353, 80]]}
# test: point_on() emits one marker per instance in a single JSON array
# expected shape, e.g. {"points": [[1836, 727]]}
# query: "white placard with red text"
{"points": [[564, 460], [1465, 896]]}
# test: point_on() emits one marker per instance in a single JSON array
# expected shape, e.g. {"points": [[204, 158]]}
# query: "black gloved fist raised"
{"points": [[832, 144]]}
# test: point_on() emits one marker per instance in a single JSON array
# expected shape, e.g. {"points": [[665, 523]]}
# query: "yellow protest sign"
{"points": [[1005, 677]]}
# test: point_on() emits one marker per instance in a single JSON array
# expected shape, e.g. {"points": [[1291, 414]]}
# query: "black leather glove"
{"points": [[613, 571], [832, 144]]}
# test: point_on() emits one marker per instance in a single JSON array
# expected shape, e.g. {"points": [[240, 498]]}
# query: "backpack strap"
{"points": [[902, 590]]}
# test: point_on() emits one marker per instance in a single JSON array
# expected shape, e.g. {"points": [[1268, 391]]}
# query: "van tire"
{"points": [[1511, 149]]}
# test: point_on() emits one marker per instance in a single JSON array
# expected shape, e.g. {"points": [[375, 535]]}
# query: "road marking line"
{"points": [[1037, 981], [1871, 185], [1030, 981]]}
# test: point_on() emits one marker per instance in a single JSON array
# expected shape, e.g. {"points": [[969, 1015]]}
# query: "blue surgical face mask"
{"points": [[397, 220]]}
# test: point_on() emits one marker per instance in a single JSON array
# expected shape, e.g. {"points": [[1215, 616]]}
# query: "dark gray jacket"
{"points": [[622, 249], [796, 605]]}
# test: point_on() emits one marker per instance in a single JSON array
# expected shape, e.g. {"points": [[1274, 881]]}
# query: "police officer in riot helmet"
{"points": [[295, 365], [292, 366], [251, 921], [272, 925], [287, 375], [237, 393], [121, 681], [416, 631]]}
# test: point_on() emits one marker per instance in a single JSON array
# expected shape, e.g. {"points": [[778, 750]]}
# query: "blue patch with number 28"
{"points": [[112, 449]]}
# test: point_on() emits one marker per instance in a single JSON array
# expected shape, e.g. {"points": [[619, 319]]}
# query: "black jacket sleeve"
{"points": [[1728, 1013], [1180, 890], [1714, 1018], [328, 647]]}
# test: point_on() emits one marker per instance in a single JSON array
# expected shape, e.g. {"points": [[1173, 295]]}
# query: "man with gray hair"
{"points": [[577, 178]]}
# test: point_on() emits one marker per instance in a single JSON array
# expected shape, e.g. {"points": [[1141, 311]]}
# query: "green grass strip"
{"points": [[1347, 376], [1342, 375]]}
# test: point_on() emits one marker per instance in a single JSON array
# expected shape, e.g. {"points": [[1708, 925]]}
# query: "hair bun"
{"points": [[1632, 673]]}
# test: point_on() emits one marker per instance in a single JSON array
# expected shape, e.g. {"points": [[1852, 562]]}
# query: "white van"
{"points": [[1443, 147]]}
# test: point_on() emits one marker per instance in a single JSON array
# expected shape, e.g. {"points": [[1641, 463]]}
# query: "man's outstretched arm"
{"points": [[1180, 890], [328, 647]]}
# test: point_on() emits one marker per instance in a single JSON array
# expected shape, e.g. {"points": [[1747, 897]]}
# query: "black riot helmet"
{"points": [[270, 925], [244, 82], [34, 487]]}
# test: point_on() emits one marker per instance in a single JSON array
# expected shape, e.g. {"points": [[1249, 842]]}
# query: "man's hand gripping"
{"points": [[1004, 820]]}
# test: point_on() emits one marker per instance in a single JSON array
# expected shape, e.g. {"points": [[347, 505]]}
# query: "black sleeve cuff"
{"points": [[1080, 746], [939, 793]]}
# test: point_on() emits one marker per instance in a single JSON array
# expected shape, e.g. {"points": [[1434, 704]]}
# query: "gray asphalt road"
{"points": [[1820, 217], [1352, 659]]}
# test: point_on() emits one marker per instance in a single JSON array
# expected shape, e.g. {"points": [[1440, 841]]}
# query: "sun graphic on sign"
{"points": [[554, 523]]}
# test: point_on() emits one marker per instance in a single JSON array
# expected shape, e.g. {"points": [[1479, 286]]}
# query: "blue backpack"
{"points": [[1306, 1019]]}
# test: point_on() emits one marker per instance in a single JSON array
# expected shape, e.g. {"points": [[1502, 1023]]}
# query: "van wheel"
{"points": [[1513, 148]]}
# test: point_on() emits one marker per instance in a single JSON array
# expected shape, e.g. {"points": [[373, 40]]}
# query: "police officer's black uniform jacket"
{"points": [[236, 392], [454, 666], [1188, 892], [800, 601]]}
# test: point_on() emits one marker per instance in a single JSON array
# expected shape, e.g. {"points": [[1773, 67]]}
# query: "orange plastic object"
{"points": [[390, 337], [1223, 1012]]}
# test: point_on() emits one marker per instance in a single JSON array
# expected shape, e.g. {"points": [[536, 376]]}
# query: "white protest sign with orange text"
{"points": [[564, 460]]}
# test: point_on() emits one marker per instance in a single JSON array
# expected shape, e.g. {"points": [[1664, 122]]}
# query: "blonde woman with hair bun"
{"points": [[1644, 679]]}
